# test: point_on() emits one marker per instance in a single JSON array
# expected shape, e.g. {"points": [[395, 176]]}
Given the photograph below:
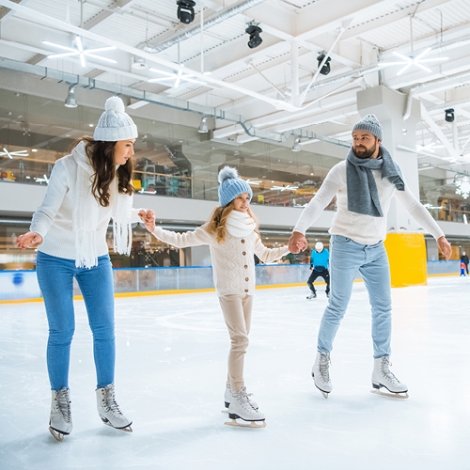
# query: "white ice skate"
{"points": [[321, 373], [109, 410], [242, 409], [228, 397], [313, 295], [60, 423], [383, 377]]}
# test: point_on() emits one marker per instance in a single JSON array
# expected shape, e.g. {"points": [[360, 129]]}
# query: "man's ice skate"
{"points": [[60, 423], [382, 377], [311, 296], [109, 410], [228, 397], [321, 373], [242, 412]]}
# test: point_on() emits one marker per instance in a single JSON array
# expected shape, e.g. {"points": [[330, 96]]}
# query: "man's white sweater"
{"points": [[364, 229], [232, 260]]}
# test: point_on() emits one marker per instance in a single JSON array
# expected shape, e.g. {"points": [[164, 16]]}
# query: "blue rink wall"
{"points": [[23, 285]]}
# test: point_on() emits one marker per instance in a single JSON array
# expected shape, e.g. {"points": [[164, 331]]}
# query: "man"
{"points": [[319, 261], [464, 260], [364, 185]]}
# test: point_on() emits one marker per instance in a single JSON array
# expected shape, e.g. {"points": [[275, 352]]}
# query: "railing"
{"points": [[23, 285]]}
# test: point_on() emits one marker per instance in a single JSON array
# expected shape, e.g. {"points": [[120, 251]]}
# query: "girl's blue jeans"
{"points": [[55, 277], [346, 259]]}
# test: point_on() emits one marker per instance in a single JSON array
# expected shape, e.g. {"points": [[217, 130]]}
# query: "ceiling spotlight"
{"points": [[325, 70], [185, 11], [139, 63], [254, 32], [296, 146], [70, 101], [449, 115], [203, 129]]}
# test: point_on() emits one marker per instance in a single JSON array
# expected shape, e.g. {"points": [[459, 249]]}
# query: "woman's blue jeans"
{"points": [[55, 277], [346, 259]]}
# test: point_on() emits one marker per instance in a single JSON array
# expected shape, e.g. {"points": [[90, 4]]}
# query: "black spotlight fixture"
{"points": [[254, 32], [450, 115], [186, 11], [325, 70]]}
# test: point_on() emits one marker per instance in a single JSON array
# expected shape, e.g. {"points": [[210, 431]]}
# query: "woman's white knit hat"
{"points": [[114, 123]]}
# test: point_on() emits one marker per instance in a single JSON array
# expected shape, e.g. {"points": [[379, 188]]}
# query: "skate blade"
{"points": [[244, 424], [125, 428], [388, 394], [57, 435]]}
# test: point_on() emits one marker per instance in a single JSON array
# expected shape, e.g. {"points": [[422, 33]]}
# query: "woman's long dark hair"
{"points": [[101, 155]]}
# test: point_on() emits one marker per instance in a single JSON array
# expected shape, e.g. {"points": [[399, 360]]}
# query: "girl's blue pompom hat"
{"points": [[231, 186]]}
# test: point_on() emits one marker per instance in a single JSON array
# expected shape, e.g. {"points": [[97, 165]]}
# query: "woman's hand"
{"points": [[29, 240], [148, 218]]}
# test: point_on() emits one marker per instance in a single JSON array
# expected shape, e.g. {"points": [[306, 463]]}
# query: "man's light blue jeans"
{"points": [[346, 259], [55, 277]]}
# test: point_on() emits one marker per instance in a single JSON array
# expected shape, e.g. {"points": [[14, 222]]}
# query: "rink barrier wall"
{"points": [[23, 286]]}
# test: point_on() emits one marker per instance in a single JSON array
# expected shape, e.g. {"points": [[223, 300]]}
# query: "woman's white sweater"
{"points": [[361, 228], [232, 261], [53, 220]]}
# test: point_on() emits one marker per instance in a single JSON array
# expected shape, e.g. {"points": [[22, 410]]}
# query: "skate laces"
{"points": [[63, 404], [386, 372], [324, 368], [243, 398], [110, 401]]}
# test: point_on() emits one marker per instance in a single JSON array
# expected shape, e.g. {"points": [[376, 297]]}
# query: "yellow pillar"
{"points": [[407, 257]]}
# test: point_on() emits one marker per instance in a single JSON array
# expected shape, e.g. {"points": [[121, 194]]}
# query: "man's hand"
{"points": [[297, 242], [29, 240], [445, 247], [148, 218]]}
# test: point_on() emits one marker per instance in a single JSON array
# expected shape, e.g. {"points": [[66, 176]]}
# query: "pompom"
{"points": [[227, 173], [114, 104]]}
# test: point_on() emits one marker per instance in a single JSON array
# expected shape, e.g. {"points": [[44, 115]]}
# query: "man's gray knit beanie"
{"points": [[369, 124]]}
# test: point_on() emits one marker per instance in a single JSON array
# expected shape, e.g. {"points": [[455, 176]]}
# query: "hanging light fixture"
{"points": [[412, 60], [177, 77], [70, 101], [285, 188], [203, 129], [296, 146], [18, 153]]}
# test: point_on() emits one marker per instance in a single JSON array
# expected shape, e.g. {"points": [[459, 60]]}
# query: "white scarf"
{"points": [[87, 211], [240, 224]]}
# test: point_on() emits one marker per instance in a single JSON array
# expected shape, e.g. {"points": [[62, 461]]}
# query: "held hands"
{"points": [[297, 242], [445, 247], [148, 218], [29, 240]]}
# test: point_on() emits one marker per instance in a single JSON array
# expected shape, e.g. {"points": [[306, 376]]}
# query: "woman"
{"points": [[85, 190]]}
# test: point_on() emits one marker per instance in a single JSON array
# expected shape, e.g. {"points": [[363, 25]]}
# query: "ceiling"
{"points": [[271, 93]]}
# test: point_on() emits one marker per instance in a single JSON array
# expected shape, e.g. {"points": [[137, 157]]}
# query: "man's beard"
{"points": [[366, 153]]}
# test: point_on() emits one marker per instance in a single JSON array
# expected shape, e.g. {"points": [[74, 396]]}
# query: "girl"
{"points": [[85, 190], [233, 240]]}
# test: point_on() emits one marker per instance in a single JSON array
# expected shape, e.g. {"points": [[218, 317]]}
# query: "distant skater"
{"points": [[319, 263], [233, 239], [86, 189], [364, 185]]}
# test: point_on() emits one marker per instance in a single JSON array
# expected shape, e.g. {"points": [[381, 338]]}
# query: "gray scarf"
{"points": [[363, 197]]}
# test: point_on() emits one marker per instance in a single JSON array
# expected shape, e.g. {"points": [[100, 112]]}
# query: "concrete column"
{"points": [[405, 242]]}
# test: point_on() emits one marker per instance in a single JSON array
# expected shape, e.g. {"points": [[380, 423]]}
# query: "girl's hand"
{"points": [[148, 218], [29, 240]]}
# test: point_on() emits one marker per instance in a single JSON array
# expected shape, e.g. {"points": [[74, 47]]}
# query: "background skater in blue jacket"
{"points": [[319, 264]]}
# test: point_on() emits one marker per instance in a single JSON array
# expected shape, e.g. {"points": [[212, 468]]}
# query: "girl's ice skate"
{"points": [[228, 397], [383, 377], [242, 409], [60, 424], [109, 410], [321, 373]]}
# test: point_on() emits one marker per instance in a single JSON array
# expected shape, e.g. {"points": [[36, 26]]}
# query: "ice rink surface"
{"points": [[170, 379]]}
